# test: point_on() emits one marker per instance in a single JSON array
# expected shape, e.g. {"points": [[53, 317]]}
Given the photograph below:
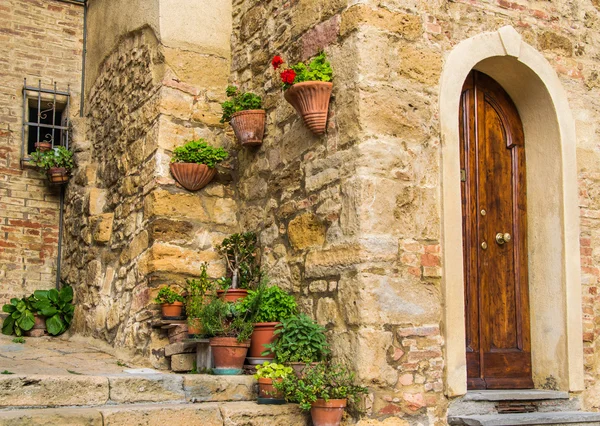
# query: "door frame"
{"points": [[537, 92]]}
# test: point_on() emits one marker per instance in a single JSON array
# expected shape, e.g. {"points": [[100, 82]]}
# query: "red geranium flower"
{"points": [[288, 76], [277, 61]]}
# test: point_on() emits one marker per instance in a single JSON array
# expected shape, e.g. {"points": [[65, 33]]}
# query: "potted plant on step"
{"points": [[57, 163], [171, 303], [266, 374], [245, 114], [325, 389], [55, 308], [229, 330], [197, 296], [268, 306], [299, 341], [308, 89], [193, 164], [20, 317], [241, 257]]}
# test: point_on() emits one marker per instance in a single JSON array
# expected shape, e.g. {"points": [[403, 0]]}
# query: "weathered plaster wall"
{"points": [[132, 228], [351, 221], [40, 40]]}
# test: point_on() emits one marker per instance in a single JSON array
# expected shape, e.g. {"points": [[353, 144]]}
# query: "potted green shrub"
{"points": [[20, 317], [241, 258], [57, 162], [55, 307], [299, 341], [171, 303], [229, 330], [243, 110], [193, 164], [266, 374], [268, 306], [324, 390], [308, 89], [197, 297]]}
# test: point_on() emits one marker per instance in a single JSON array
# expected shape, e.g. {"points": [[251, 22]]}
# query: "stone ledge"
{"points": [[514, 395], [552, 418]]}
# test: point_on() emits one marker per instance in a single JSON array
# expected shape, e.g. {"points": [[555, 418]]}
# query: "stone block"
{"points": [[209, 388], [53, 391], [102, 227], [306, 231], [180, 348], [52, 417], [178, 333], [252, 414], [172, 415], [183, 362], [130, 389], [97, 201], [323, 263], [408, 26]]}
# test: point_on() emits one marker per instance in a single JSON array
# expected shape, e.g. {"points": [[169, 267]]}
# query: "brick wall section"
{"points": [[39, 40]]}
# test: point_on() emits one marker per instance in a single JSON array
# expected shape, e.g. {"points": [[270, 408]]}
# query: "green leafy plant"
{"points": [[322, 381], [319, 69], [271, 370], [20, 317], [166, 295], [223, 319], [18, 340], [197, 291], [239, 101], [269, 304], [199, 152], [56, 307], [6, 372], [240, 254], [299, 339], [59, 156]]}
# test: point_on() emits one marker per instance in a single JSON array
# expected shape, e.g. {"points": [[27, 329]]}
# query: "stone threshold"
{"points": [[514, 395], [550, 418]]}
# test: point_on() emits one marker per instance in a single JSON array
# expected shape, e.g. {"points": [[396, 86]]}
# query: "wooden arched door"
{"points": [[494, 202]]}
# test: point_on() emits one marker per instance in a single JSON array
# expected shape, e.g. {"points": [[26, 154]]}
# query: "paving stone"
{"points": [[160, 415], [52, 417], [253, 414], [552, 418], [52, 391], [205, 387], [146, 388], [183, 362]]}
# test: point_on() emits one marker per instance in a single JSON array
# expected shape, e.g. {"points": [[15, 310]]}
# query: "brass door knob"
{"points": [[502, 238]]}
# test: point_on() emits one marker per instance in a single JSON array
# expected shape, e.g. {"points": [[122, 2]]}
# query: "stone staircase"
{"points": [[138, 397], [519, 407]]}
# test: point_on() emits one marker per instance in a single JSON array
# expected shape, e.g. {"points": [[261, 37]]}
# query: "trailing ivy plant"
{"points": [[239, 101], [299, 339], [199, 152], [59, 156], [168, 296], [56, 307], [319, 69], [241, 256], [223, 319], [269, 304], [322, 381]]}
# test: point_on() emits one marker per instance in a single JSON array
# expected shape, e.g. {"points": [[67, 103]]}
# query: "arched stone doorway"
{"points": [[553, 216]]}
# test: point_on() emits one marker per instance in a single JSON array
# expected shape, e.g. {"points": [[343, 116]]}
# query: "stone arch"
{"points": [[553, 214]]}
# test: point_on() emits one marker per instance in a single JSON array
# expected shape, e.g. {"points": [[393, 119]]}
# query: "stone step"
{"points": [[550, 418], [186, 414], [79, 390], [515, 395]]}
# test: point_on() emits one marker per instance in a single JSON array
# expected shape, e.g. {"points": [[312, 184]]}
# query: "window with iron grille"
{"points": [[45, 118]]}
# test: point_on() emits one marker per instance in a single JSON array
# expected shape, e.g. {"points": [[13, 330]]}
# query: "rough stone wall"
{"points": [[131, 228], [41, 40], [351, 221]]}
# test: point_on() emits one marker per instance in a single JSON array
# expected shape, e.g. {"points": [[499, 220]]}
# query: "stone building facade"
{"points": [[364, 224], [42, 41]]}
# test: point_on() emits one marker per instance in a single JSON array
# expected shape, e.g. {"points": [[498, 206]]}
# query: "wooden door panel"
{"points": [[494, 201]]}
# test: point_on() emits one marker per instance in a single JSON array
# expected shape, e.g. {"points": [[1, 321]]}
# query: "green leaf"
{"points": [[41, 294], [8, 326], [53, 295], [26, 321], [48, 311], [66, 294], [21, 306], [9, 308], [55, 325]]}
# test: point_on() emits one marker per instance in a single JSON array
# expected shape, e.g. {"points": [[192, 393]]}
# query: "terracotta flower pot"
{"points": [[192, 176], [58, 175], [228, 355], [232, 294], [43, 146], [172, 309], [267, 394], [194, 327], [327, 413], [264, 333], [311, 100], [249, 126], [39, 326]]}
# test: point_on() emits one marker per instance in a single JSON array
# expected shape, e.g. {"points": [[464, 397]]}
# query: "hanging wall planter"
{"points": [[308, 89], [57, 163], [193, 164], [243, 111], [58, 175]]}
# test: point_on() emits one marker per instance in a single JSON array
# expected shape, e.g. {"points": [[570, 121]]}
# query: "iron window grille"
{"points": [[45, 118]]}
